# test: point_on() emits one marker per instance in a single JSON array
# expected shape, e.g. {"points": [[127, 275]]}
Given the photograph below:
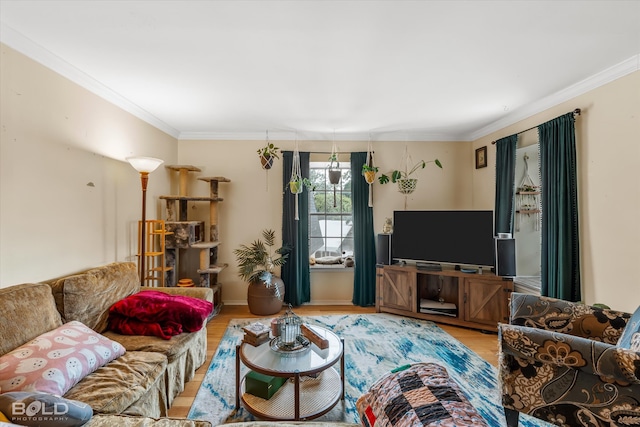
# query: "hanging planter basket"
{"points": [[369, 177], [407, 186]]}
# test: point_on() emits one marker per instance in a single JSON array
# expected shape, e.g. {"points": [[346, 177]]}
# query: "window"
{"points": [[330, 212]]}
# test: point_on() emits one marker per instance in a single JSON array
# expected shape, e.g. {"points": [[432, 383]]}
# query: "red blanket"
{"points": [[159, 314]]}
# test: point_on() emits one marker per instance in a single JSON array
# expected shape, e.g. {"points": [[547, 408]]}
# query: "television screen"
{"points": [[454, 237]]}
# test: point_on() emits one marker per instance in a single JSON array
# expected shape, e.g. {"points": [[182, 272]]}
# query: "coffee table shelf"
{"points": [[317, 397]]}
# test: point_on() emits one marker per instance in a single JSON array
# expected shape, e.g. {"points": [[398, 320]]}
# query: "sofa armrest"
{"points": [[593, 357], [201, 293], [567, 317]]}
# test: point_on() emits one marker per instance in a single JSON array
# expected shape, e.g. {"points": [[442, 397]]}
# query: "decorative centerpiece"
{"points": [[290, 338]]}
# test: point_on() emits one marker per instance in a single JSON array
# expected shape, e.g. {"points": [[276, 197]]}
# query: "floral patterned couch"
{"points": [[570, 364]]}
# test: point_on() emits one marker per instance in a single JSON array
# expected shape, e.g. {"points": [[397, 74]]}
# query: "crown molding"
{"points": [[608, 75], [302, 135], [28, 47]]}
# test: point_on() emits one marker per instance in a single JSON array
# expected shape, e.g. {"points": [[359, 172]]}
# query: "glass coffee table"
{"points": [[313, 388]]}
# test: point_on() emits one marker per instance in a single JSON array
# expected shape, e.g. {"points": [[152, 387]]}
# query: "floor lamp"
{"points": [[144, 165]]}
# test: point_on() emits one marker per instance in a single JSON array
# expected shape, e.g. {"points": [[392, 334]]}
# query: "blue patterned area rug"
{"points": [[374, 345]]}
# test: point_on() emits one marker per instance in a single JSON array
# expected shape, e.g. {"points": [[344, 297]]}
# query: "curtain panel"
{"points": [[505, 183], [295, 272], [364, 275], [560, 241]]}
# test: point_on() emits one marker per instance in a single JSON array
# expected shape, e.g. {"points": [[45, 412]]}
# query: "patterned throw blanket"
{"points": [[158, 314]]}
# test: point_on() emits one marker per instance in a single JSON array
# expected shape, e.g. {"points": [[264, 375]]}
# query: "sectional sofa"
{"points": [[146, 372]]}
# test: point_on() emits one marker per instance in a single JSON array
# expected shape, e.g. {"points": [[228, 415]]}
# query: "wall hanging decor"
{"points": [[527, 198]]}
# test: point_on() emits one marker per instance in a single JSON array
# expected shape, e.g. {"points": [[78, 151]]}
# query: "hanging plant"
{"points": [[334, 173], [268, 153], [406, 183], [369, 171], [297, 182]]}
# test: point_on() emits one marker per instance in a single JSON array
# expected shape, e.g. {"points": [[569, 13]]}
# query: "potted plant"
{"points": [[256, 263], [334, 174], [406, 184], [296, 185], [268, 153], [369, 172]]}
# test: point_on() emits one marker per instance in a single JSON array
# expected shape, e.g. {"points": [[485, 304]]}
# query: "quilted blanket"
{"points": [[158, 314]]}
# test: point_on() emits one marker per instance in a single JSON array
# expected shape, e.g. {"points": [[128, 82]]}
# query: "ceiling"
{"points": [[425, 70]]}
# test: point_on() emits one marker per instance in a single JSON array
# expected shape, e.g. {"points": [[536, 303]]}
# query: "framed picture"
{"points": [[481, 157]]}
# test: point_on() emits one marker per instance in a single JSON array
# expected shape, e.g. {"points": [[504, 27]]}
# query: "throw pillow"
{"points": [[421, 395], [38, 409], [630, 337], [57, 360]]}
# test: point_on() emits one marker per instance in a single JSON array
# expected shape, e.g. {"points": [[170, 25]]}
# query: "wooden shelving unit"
{"points": [[154, 233]]}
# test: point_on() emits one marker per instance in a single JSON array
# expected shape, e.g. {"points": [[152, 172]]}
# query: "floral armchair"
{"points": [[570, 364]]}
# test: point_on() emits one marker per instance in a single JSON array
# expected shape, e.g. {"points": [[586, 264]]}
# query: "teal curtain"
{"points": [[560, 245], [295, 273], [364, 277], [505, 184]]}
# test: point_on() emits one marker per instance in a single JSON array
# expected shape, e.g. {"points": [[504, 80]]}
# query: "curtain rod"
{"points": [[575, 112]]}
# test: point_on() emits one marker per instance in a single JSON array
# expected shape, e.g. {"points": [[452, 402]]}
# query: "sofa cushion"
{"points": [[172, 349], [36, 409], [116, 386], [86, 297], [17, 303], [421, 395], [55, 361], [630, 338]]}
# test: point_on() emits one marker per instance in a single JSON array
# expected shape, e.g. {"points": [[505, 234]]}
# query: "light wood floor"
{"points": [[483, 344]]}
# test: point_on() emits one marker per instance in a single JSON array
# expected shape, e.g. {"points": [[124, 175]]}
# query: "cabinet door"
{"points": [[486, 301], [397, 289]]}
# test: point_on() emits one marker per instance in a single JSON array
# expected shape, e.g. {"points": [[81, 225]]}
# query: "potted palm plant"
{"points": [[256, 263]]}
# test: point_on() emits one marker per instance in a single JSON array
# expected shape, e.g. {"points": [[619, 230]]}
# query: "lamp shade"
{"points": [[144, 164]]}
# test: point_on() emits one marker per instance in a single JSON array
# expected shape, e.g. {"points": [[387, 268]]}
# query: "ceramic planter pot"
{"points": [[334, 176], [295, 186], [263, 300]]}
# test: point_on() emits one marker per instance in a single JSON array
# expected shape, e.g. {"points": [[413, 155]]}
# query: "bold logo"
{"points": [[38, 408]]}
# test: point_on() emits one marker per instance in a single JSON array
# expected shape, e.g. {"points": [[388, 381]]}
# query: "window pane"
{"points": [[330, 216]]}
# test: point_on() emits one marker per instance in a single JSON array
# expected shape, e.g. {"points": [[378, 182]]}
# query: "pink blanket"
{"points": [[159, 314]]}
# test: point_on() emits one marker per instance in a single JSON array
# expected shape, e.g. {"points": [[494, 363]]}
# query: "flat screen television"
{"points": [[462, 237]]}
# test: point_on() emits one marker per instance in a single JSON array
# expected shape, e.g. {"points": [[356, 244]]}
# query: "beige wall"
{"points": [[253, 198], [608, 151], [68, 200], [57, 138]]}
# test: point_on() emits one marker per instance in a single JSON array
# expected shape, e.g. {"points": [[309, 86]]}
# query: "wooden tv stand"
{"points": [[482, 300]]}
